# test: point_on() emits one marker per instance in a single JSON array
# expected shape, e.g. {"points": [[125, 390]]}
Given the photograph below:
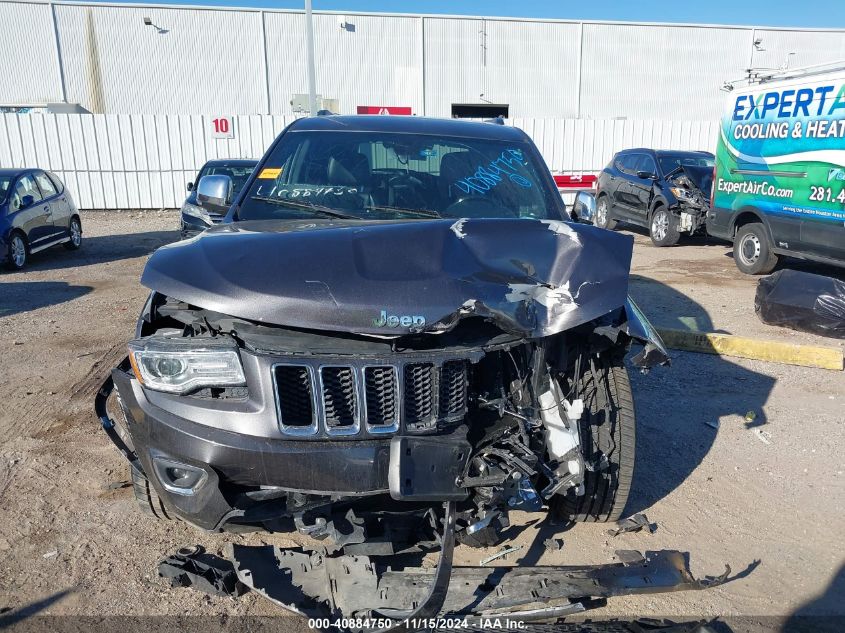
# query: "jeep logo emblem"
{"points": [[393, 320]]}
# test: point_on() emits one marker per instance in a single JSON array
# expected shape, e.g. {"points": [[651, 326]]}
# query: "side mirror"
{"points": [[215, 193], [584, 207], [646, 175], [27, 201], [190, 186]]}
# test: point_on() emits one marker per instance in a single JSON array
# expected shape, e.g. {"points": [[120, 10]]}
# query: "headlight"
{"points": [[180, 365], [682, 194], [197, 212]]}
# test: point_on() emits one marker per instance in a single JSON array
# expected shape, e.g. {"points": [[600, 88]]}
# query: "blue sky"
{"points": [[806, 13]]}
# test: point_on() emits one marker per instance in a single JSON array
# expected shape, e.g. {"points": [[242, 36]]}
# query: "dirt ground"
{"points": [[773, 510]]}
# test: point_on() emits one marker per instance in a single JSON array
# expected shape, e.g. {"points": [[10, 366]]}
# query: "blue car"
{"points": [[36, 212], [196, 218]]}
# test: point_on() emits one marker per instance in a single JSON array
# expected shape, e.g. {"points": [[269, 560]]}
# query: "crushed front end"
{"points": [[688, 185], [347, 396]]}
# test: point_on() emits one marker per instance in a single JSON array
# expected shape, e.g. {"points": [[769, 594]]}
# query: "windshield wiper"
{"points": [[315, 208], [426, 213]]}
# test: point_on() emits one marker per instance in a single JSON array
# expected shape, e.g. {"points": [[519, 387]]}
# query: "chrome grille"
{"points": [[318, 398]]}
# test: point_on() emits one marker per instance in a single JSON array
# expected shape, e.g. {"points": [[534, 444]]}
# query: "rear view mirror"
{"points": [[584, 207], [27, 201], [646, 175], [190, 186], [215, 193]]}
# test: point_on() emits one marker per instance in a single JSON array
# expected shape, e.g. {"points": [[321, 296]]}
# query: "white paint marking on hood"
{"points": [[562, 228], [458, 228], [559, 297]]}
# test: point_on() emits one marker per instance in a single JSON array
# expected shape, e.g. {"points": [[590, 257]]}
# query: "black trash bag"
{"points": [[802, 301]]}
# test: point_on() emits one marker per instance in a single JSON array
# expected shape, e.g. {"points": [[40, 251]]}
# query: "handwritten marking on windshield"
{"points": [[488, 176], [286, 193]]}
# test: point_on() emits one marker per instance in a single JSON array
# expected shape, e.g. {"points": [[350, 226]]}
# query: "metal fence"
{"points": [[133, 161]]}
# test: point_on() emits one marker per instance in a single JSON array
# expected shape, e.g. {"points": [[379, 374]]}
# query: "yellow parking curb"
{"points": [[742, 347]]}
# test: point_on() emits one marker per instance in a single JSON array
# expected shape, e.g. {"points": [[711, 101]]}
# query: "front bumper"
{"points": [[236, 463]]}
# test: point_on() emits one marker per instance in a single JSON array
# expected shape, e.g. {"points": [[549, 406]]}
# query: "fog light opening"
{"points": [[179, 478]]}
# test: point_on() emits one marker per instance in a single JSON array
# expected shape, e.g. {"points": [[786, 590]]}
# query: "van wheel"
{"points": [[603, 219], [752, 251], [664, 228], [608, 437]]}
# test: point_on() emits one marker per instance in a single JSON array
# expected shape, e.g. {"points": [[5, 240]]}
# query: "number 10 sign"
{"points": [[222, 127]]}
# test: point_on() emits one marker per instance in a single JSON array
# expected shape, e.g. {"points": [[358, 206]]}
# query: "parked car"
{"points": [[664, 191], [395, 314], [780, 175], [36, 212], [196, 218]]}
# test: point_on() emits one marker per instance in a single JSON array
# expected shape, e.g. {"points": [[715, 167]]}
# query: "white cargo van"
{"points": [[779, 185]]}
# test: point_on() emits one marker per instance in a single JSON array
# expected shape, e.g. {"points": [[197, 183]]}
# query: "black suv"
{"points": [[664, 191]]}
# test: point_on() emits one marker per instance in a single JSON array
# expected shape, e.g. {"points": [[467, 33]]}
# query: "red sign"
{"points": [[576, 181], [404, 110]]}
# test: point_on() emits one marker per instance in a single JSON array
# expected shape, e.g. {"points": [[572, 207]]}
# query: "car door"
{"points": [[59, 214], [623, 203], [29, 212], [642, 189]]}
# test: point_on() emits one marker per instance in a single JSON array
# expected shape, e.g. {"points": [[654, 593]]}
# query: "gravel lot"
{"points": [[773, 511]]}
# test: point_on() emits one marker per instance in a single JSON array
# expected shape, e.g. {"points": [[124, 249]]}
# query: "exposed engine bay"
{"points": [[690, 184]]}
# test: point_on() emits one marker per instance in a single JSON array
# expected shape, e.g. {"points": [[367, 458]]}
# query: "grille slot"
{"points": [[295, 396], [453, 389], [381, 389], [418, 393], [340, 406]]}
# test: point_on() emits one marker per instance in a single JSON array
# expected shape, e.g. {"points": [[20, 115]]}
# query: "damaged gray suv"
{"points": [[395, 318]]}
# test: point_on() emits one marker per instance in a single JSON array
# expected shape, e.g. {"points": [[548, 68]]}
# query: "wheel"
{"points": [[608, 441], [603, 218], [17, 252], [75, 235], [752, 252], [146, 496], [664, 228]]}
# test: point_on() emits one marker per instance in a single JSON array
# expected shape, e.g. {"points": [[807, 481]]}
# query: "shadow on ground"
{"points": [[31, 295], [100, 249]]}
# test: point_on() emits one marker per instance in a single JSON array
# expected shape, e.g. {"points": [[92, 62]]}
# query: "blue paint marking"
{"points": [[486, 177]]}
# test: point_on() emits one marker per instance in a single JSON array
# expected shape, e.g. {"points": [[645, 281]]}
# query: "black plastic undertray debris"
{"points": [[381, 589], [802, 301]]}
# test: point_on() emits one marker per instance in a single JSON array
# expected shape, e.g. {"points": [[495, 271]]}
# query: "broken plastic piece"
{"points": [[633, 524], [191, 567], [502, 554]]}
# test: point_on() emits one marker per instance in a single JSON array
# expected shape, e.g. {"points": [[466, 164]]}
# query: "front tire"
{"points": [[608, 430], [75, 231], [17, 252], [752, 251], [603, 218], [146, 496], [663, 228]]}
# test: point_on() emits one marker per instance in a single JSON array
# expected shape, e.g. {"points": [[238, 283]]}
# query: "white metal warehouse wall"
{"points": [[111, 161], [248, 61]]}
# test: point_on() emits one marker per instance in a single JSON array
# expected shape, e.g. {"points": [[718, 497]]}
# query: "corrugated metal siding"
{"points": [[659, 71], [206, 61], [453, 64], [809, 48], [111, 161], [28, 66], [533, 67]]}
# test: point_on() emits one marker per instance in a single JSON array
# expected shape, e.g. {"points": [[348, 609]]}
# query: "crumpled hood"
{"points": [[701, 177], [531, 277]]}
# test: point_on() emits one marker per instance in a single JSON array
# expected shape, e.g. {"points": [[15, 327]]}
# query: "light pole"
{"points": [[309, 43]]}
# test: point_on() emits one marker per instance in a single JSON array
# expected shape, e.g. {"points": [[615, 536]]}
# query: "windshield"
{"points": [[238, 173], [382, 176], [5, 183], [668, 162]]}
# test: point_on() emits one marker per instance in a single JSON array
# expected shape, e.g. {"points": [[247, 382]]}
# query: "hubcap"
{"points": [[18, 251], [749, 249], [659, 226], [75, 233], [601, 213]]}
